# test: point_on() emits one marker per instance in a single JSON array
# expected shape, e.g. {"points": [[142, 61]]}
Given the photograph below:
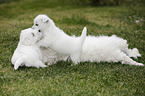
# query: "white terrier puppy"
{"points": [[27, 52], [109, 49], [56, 39], [102, 49]]}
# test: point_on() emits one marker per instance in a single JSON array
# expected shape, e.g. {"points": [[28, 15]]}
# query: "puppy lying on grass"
{"points": [[102, 49], [27, 52], [109, 49], [56, 39]]}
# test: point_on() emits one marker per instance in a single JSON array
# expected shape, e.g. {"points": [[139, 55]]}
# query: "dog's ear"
{"points": [[24, 38], [45, 20]]}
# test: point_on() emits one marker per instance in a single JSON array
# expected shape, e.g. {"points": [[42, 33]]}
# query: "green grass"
{"points": [[90, 79]]}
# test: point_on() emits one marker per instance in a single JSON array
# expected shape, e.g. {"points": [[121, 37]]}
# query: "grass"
{"points": [[91, 79]]}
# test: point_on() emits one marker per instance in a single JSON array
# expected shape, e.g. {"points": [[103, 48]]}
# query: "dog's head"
{"points": [[30, 36], [42, 21]]}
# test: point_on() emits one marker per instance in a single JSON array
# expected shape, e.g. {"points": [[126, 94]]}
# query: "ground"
{"points": [[92, 79]]}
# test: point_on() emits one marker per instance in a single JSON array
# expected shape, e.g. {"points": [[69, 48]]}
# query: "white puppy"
{"points": [[109, 49], [102, 49], [27, 52], [57, 40]]}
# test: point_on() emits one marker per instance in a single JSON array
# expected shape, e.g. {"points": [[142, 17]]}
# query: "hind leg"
{"points": [[40, 64], [76, 58], [128, 60], [134, 53]]}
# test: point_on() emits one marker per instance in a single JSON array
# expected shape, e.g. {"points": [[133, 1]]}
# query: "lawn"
{"points": [[89, 79]]}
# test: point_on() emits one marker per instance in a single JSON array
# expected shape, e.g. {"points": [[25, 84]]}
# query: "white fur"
{"points": [[103, 49], [27, 52], [57, 40], [51, 57], [109, 49]]}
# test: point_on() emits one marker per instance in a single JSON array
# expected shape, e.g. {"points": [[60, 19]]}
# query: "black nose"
{"points": [[39, 30]]}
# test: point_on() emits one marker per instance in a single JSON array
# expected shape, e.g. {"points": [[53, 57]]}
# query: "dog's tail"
{"points": [[83, 35]]}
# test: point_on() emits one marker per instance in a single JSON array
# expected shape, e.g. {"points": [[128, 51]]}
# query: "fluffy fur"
{"points": [[57, 40], [51, 57], [102, 49], [27, 52], [109, 49]]}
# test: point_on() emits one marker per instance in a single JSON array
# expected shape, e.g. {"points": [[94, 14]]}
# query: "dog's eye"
{"points": [[33, 34], [39, 30], [36, 24]]}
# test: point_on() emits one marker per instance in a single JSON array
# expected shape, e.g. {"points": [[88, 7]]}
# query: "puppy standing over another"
{"points": [[27, 52], [57, 40]]}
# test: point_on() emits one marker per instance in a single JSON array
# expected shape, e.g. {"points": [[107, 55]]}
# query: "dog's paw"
{"points": [[43, 66], [16, 67], [49, 64], [140, 64], [74, 63]]}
